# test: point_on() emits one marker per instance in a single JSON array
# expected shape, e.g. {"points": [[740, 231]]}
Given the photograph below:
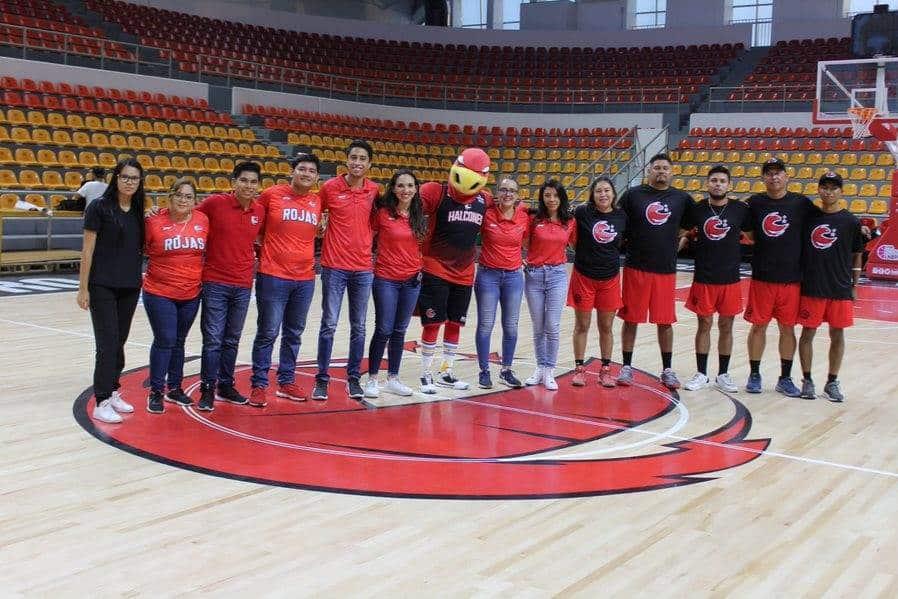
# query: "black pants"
{"points": [[111, 310]]}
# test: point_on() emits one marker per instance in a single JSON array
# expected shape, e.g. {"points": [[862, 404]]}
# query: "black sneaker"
{"points": [[207, 399], [230, 394], [179, 397], [154, 403], [354, 389], [507, 377], [320, 392]]}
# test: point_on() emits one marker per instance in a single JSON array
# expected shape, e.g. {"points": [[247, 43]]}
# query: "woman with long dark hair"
{"points": [[175, 245], [110, 279], [545, 277], [595, 281], [399, 224]]}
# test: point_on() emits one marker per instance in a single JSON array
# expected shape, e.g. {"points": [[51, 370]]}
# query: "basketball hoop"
{"points": [[861, 117]]}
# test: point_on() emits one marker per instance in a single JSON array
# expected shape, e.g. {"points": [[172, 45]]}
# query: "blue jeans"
{"points": [[546, 289], [222, 318], [394, 302], [493, 287], [171, 321], [357, 284], [279, 301]]}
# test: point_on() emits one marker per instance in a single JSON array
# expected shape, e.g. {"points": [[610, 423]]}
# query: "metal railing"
{"points": [[147, 59], [763, 97], [608, 158]]}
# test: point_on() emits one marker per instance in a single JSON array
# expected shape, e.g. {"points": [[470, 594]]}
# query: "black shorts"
{"points": [[441, 300]]}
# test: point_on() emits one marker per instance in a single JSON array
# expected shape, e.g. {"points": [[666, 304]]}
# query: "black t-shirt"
{"points": [[118, 254], [830, 240], [778, 226], [717, 251], [654, 218], [599, 238]]}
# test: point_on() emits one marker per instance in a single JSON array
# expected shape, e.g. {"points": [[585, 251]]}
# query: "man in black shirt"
{"points": [[718, 222], [777, 221], [654, 216], [831, 258]]}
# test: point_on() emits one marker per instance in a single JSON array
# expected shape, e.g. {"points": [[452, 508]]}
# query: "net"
{"points": [[861, 117]]}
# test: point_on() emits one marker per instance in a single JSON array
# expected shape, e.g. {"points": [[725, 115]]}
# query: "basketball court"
{"points": [[500, 492]]}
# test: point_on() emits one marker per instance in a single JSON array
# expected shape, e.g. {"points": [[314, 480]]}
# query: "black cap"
{"points": [[773, 163], [831, 177]]}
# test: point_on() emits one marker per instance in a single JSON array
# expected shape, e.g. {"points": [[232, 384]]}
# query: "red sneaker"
{"points": [[605, 378], [579, 379], [292, 391], [258, 397]]}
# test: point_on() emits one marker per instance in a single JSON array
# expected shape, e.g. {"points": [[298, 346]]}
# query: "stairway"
{"points": [[736, 75]]}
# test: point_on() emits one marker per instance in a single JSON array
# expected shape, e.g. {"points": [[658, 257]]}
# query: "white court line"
{"points": [[776, 454]]}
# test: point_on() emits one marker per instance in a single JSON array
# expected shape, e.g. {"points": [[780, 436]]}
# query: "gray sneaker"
{"points": [[833, 392], [807, 390], [625, 377], [669, 379]]}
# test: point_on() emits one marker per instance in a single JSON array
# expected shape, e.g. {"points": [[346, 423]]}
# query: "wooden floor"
{"points": [[813, 515]]}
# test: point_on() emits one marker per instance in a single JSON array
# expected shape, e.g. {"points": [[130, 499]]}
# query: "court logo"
{"points": [[716, 228], [604, 232], [775, 224], [657, 213], [823, 237], [524, 443], [887, 252]]}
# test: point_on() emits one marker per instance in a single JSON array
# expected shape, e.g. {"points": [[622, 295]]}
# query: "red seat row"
{"points": [[101, 93]]}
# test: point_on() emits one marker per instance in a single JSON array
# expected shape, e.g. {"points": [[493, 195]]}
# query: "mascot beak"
{"points": [[470, 172]]}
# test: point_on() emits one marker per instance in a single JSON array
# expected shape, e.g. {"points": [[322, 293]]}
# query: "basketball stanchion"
{"points": [[882, 262]]}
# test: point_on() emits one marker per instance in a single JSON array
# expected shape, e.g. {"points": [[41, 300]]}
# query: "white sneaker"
{"points": [[395, 386], [725, 383], [698, 381], [447, 379], [120, 405], [372, 389], [427, 385], [536, 378], [549, 379], [104, 412]]}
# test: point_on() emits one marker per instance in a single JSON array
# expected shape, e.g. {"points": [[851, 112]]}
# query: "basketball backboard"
{"points": [[858, 83]]}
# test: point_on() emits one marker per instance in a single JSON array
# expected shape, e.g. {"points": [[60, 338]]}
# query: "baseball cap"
{"points": [[831, 177], [773, 163]]}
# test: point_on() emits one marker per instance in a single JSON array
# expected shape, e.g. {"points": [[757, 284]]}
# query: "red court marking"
{"points": [[447, 449], [874, 302]]}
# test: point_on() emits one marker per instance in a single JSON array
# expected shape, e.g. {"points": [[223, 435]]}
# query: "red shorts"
{"points": [[585, 294], [706, 298], [815, 310], [648, 294], [767, 301]]}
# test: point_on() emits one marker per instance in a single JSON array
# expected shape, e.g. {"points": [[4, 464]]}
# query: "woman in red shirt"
{"points": [[500, 280], [552, 229], [175, 244], [398, 222]]}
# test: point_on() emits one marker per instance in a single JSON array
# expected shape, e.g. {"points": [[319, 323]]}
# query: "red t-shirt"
{"points": [[548, 241], [398, 250], [503, 238], [230, 251], [291, 223], [176, 255], [454, 223], [348, 237]]}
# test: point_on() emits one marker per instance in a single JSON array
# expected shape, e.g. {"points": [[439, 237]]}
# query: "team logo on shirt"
{"points": [[604, 232], [823, 237], [716, 228], [254, 220], [198, 228], [657, 213], [775, 224]]}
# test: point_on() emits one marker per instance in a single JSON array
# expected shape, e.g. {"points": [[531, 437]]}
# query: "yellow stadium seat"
{"points": [[879, 207], [842, 171], [815, 158], [21, 135], [248, 135], [222, 184], [216, 147], [690, 170], [52, 180], [153, 183], [693, 185], [235, 134], [763, 157], [858, 174], [820, 171], [538, 180], [581, 181], [569, 154], [293, 138], [794, 186], [29, 180], [195, 163], [6, 156], [36, 199], [737, 170], [676, 169], [268, 181], [145, 161], [885, 159], [61, 138], [866, 160], [68, 159], [26, 157], [72, 179], [191, 130], [569, 168], [74, 121], [36, 119], [810, 188], [178, 163], [231, 149], [14, 116], [885, 191], [100, 140], [92, 122], [259, 150], [169, 144], [758, 187], [877, 174], [742, 186], [4, 135], [8, 179], [162, 163], [227, 165], [145, 127], [523, 180], [176, 129], [567, 180], [805, 172], [160, 128], [868, 190], [110, 124], [87, 159], [678, 183], [832, 158], [206, 131], [47, 158], [753, 172], [849, 189], [81, 139], [185, 146], [106, 160], [796, 158], [211, 164], [858, 206], [284, 169], [848, 159], [169, 180], [127, 126], [152, 144], [205, 184], [8, 201], [118, 141]]}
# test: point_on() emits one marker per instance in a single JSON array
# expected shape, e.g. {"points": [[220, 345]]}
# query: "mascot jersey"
{"points": [[455, 213]]}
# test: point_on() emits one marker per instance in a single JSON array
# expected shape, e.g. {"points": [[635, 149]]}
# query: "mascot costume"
{"points": [[455, 213]]}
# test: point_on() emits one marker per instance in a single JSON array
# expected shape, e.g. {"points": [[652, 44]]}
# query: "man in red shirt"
{"points": [[346, 264], [235, 220], [455, 214], [285, 282]]}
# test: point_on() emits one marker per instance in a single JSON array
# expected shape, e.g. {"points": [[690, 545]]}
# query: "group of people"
{"points": [[414, 248]]}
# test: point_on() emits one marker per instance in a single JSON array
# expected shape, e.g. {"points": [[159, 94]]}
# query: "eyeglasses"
{"points": [[507, 190], [183, 196], [129, 178]]}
